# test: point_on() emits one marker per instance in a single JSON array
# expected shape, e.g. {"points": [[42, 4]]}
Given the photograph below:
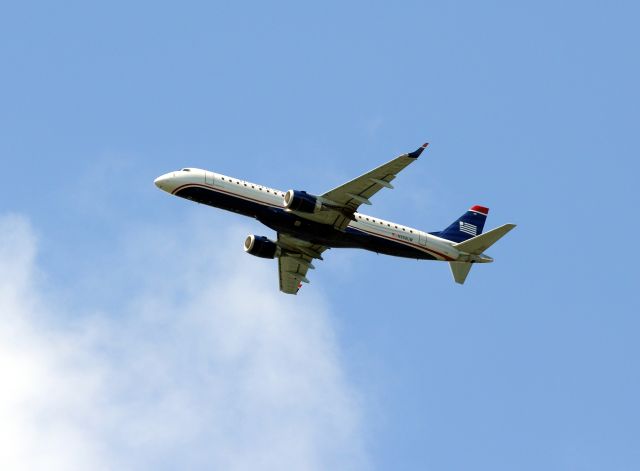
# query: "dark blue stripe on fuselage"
{"points": [[281, 221]]}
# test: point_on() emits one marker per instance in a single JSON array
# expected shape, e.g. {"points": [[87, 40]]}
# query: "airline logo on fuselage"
{"points": [[403, 237]]}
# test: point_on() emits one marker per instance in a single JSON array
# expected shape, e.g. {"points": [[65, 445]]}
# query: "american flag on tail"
{"points": [[468, 228]]}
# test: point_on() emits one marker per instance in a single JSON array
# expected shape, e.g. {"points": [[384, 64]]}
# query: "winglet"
{"points": [[416, 153]]}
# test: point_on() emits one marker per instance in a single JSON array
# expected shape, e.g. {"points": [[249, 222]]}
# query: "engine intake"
{"points": [[301, 201], [260, 246]]}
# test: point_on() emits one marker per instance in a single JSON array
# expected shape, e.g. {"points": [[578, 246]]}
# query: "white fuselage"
{"points": [[253, 194]]}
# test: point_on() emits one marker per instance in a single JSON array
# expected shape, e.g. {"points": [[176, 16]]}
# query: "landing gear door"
{"points": [[422, 238], [208, 178]]}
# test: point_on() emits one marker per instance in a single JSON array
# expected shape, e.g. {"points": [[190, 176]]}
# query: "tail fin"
{"points": [[469, 225]]}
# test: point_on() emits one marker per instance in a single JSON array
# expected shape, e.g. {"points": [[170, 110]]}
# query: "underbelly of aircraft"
{"points": [[304, 229]]}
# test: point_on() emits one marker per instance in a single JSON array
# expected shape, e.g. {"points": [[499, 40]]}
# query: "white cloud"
{"points": [[205, 366]]}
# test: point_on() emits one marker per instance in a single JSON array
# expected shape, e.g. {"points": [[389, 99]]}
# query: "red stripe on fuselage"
{"points": [[419, 247]]}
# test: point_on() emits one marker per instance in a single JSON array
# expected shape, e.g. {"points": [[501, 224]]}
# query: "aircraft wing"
{"points": [[295, 261], [358, 191]]}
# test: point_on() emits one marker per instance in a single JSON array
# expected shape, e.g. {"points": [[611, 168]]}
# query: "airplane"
{"points": [[307, 224]]}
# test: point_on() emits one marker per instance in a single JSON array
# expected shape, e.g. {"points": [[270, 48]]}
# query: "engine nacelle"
{"points": [[301, 201], [260, 246]]}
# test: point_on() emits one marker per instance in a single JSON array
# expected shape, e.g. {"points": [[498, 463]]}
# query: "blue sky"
{"points": [[125, 300]]}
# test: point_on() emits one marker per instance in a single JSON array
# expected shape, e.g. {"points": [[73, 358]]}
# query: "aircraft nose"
{"points": [[164, 181]]}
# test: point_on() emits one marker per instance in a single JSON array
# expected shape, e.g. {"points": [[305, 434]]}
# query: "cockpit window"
{"points": [[186, 170]]}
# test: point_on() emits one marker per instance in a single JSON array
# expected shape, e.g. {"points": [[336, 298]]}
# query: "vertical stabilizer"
{"points": [[469, 225], [460, 270]]}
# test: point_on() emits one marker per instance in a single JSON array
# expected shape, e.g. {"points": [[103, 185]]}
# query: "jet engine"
{"points": [[302, 201], [261, 247]]}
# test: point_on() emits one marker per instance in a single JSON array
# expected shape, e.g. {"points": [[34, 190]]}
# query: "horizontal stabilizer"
{"points": [[477, 245], [460, 270]]}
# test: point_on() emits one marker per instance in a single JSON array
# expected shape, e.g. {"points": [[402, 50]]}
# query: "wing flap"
{"points": [[295, 261], [358, 191], [339, 205], [291, 273]]}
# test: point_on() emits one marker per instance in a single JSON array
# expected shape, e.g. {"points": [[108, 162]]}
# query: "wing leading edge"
{"points": [[358, 191]]}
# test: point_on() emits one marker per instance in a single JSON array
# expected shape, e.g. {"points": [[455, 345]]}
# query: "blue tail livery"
{"points": [[469, 225]]}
